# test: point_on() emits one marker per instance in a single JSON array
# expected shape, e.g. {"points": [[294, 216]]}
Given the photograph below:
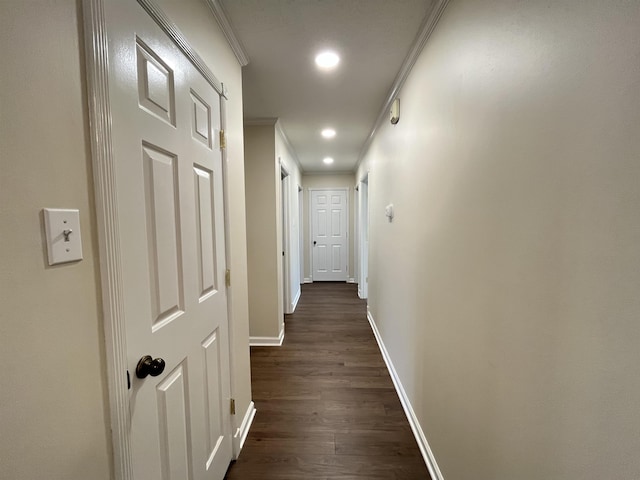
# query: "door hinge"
{"points": [[232, 405], [227, 277], [223, 140]]}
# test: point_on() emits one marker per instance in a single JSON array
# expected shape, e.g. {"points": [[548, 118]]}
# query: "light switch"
{"points": [[62, 229]]}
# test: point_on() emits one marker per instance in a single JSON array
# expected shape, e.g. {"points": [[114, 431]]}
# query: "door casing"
{"points": [[363, 238]]}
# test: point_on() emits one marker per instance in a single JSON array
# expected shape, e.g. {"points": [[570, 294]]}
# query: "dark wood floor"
{"points": [[326, 406]]}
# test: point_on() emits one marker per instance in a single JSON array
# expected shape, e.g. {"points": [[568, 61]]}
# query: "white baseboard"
{"points": [[267, 341], [351, 280], [243, 430], [425, 449], [307, 280], [295, 301]]}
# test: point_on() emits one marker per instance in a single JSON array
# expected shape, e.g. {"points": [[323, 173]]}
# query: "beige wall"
{"points": [[328, 181], [266, 155], [53, 410], [53, 400], [265, 299], [506, 288]]}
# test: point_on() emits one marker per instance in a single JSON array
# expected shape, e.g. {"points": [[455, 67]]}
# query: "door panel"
{"points": [[163, 239], [155, 84], [165, 118], [336, 222], [329, 220], [213, 393], [203, 182], [336, 258], [174, 419]]}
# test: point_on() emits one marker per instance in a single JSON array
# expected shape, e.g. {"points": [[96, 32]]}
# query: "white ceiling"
{"points": [[281, 39]]}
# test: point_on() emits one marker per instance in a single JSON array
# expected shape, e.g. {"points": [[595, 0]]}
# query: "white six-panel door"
{"points": [[166, 121], [329, 235]]}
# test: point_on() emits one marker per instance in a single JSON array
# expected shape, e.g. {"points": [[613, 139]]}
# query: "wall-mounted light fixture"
{"points": [[389, 213], [395, 111]]}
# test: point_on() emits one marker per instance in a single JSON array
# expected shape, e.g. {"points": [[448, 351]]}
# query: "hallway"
{"points": [[326, 406]]}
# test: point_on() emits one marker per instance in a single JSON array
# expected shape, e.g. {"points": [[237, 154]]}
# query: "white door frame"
{"points": [[104, 182], [285, 231], [356, 242], [348, 192], [363, 237], [301, 233]]}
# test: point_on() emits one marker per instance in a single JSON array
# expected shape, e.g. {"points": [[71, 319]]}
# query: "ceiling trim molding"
{"points": [[331, 173], [426, 29], [277, 124], [234, 42], [258, 121], [287, 143]]}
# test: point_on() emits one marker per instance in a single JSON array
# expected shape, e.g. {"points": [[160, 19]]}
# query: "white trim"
{"points": [[259, 121], [294, 304], [284, 210], [332, 172], [288, 144], [307, 280], [229, 290], [425, 449], [234, 42], [267, 341], [241, 432], [351, 280], [104, 177], [277, 125], [301, 264], [426, 28]]}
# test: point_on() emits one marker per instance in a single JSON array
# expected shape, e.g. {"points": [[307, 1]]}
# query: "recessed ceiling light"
{"points": [[328, 133], [327, 160], [327, 60]]}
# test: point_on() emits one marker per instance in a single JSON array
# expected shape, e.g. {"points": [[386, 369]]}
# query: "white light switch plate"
{"points": [[62, 229]]}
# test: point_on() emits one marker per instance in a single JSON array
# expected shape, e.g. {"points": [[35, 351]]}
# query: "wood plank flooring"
{"points": [[326, 406]]}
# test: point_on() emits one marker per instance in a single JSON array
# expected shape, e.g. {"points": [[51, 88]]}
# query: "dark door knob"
{"points": [[149, 366], [314, 243]]}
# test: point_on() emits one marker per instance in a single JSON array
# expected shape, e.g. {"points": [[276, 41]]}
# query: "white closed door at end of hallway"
{"points": [[166, 120], [329, 235]]}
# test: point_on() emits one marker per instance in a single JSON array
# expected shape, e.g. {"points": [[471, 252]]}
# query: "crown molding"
{"points": [[259, 121], [234, 42], [287, 143], [277, 124], [426, 29], [330, 173]]}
